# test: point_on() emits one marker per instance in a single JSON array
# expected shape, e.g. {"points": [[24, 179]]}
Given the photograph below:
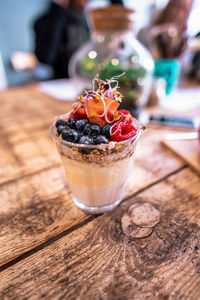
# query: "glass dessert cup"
{"points": [[97, 174]]}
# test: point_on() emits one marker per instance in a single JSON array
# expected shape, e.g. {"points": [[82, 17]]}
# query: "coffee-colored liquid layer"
{"points": [[97, 186]]}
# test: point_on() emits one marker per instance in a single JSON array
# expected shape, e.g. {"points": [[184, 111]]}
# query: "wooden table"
{"points": [[51, 250]]}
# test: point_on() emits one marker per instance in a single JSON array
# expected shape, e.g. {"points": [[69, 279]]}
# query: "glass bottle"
{"points": [[113, 50]]}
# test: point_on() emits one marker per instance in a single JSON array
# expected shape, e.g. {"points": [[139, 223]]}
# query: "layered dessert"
{"points": [[97, 142]]}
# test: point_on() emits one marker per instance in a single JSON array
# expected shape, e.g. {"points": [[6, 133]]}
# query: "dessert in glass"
{"points": [[97, 144]]}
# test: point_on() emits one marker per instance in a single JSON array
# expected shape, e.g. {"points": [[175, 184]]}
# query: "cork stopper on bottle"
{"points": [[111, 18]]}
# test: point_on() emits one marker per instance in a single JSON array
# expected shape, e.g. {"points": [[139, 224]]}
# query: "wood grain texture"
{"points": [[32, 182], [97, 261], [34, 198], [34, 209], [28, 101], [152, 161], [27, 157], [32, 178], [188, 150], [25, 145], [27, 151]]}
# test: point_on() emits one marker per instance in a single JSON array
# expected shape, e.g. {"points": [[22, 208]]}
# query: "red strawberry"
{"points": [[78, 112], [124, 112], [122, 131]]}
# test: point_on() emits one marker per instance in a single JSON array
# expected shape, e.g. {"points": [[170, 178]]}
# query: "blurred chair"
{"points": [[3, 81]]}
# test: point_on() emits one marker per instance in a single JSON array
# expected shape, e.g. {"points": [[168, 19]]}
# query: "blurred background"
{"points": [[17, 34]]}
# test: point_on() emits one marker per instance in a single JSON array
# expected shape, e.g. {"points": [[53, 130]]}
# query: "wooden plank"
{"points": [[27, 147], [34, 154], [25, 143], [24, 128], [97, 261], [30, 179], [27, 101], [27, 157], [188, 150], [23, 150], [34, 209], [152, 161]]}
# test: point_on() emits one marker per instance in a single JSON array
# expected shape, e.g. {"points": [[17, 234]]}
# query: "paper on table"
{"points": [[62, 89], [182, 99]]}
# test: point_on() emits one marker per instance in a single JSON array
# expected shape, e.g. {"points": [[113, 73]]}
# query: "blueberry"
{"points": [[80, 133], [70, 135], [92, 130], [106, 130], [72, 123], [101, 140], [61, 122], [80, 124], [60, 129], [86, 140]]}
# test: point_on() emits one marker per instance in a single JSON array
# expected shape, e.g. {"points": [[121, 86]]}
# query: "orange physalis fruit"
{"points": [[112, 106], [102, 111]]}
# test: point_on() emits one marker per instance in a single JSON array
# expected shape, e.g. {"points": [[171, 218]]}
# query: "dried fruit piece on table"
{"points": [[144, 215], [132, 230]]}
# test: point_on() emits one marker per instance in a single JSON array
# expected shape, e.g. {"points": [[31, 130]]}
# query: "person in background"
{"points": [[60, 32], [166, 35]]}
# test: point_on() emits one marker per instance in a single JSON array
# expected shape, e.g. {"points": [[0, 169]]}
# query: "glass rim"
{"points": [[99, 146]]}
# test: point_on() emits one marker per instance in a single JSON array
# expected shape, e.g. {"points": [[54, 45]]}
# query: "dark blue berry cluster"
{"points": [[83, 132]]}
